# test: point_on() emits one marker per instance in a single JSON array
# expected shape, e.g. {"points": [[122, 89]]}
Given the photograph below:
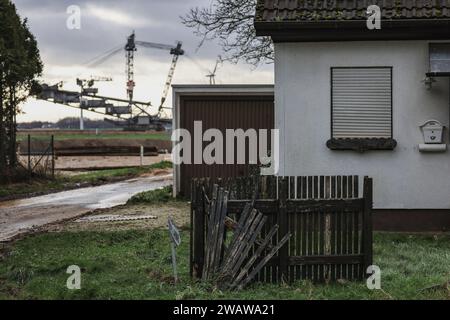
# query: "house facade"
{"points": [[350, 100]]}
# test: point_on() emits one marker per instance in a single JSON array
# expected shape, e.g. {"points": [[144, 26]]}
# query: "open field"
{"points": [[131, 260], [69, 135], [106, 162]]}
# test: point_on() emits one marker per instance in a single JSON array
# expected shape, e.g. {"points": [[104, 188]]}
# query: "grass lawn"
{"points": [[135, 264], [69, 182], [77, 136]]}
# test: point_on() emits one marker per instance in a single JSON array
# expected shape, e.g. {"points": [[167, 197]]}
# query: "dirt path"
{"points": [[177, 210], [22, 216]]}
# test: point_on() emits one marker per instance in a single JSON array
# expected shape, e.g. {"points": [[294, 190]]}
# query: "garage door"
{"points": [[222, 112]]}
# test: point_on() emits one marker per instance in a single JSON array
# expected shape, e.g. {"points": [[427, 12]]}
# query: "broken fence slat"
{"points": [[232, 225], [209, 236], [239, 241], [215, 231], [255, 256], [238, 229], [243, 256], [249, 243], [264, 261], [234, 241], [219, 240]]}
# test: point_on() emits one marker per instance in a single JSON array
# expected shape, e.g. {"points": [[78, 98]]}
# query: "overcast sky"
{"points": [[105, 24]]}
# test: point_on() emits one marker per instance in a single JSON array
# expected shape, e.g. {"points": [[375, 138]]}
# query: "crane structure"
{"points": [[131, 48], [131, 114]]}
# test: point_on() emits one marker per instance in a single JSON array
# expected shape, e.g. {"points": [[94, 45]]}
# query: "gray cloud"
{"points": [[155, 20]]}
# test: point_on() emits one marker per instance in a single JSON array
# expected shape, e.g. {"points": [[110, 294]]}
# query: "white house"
{"points": [[350, 100]]}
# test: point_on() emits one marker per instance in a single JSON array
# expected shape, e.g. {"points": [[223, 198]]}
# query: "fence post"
{"points": [[283, 254], [367, 233], [29, 157], [198, 226], [53, 156], [191, 230]]}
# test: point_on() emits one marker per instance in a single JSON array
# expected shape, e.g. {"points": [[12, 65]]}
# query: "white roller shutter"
{"points": [[362, 102]]}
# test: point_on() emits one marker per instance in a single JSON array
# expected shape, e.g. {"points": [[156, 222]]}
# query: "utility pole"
{"points": [[81, 119], [81, 84]]}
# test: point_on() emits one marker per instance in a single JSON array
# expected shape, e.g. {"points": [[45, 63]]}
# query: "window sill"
{"points": [[361, 144]]}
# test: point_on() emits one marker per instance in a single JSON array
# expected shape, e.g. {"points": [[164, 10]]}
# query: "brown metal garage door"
{"points": [[222, 112]]}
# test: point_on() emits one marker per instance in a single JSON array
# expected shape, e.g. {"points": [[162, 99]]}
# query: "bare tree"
{"points": [[231, 23]]}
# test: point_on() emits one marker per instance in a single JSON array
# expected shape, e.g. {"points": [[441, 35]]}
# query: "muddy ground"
{"points": [[19, 217]]}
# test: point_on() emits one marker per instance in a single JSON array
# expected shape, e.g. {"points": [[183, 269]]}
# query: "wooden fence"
{"points": [[330, 224]]}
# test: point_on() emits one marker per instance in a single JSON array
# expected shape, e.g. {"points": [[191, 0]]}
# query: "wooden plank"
{"points": [[264, 261], [333, 245], [271, 271], [344, 242], [292, 226], [338, 242], [291, 243], [298, 229], [266, 206], [216, 226], [238, 238], [333, 228], [327, 187], [284, 229], [304, 188], [310, 242], [350, 187], [344, 187], [315, 243], [220, 233], [210, 232], [199, 234], [248, 243], [367, 222], [351, 229], [321, 243], [191, 229], [321, 187], [330, 205], [304, 222], [292, 187], [356, 240], [339, 187], [254, 257], [327, 259]]}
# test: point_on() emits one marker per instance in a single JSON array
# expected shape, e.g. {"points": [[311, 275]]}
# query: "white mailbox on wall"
{"points": [[433, 133]]}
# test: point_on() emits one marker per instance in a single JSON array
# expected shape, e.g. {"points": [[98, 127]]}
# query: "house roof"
{"points": [[311, 20], [304, 10]]}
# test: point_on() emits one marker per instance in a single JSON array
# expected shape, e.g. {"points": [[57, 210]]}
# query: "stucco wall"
{"points": [[403, 178]]}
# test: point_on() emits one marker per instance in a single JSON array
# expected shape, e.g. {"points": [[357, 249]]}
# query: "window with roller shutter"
{"points": [[361, 108]]}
